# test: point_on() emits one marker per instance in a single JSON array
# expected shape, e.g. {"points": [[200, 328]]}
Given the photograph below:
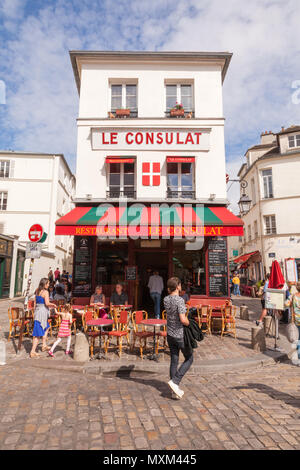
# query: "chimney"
{"points": [[282, 129], [267, 138]]}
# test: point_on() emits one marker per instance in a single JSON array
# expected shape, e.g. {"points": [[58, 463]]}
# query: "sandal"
{"points": [[34, 354], [51, 353], [46, 348]]}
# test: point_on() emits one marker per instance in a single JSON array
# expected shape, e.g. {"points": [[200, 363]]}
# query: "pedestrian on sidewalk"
{"points": [[236, 285], [64, 329], [156, 286], [262, 295], [176, 319], [41, 315]]}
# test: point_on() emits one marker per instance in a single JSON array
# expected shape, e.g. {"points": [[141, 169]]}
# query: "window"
{"points": [[294, 141], [249, 233], [270, 224], [124, 96], [253, 191], [4, 168], [121, 180], [3, 200], [181, 94], [180, 180], [267, 183], [255, 229]]}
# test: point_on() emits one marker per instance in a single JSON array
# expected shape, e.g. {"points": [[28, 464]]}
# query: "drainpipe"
{"points": [[262, 241]]}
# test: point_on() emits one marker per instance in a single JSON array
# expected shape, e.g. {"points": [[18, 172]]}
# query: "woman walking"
{"points": [[41, 315], [176, 319]]}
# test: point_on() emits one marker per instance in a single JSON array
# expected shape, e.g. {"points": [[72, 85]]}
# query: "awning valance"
{"points": [[180, 159], [190, 221], [119, 159]]}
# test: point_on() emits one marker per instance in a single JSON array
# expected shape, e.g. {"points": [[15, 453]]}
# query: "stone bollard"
{"points": [[258, 339], [81, 348], [269, 326], [244, 313]]}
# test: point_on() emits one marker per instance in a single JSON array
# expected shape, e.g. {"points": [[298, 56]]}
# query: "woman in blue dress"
{"points": [[41, 315]]}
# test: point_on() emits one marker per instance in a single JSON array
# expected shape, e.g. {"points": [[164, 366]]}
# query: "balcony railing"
{"points": [[183, 115], [116, 193], [174, 194]]}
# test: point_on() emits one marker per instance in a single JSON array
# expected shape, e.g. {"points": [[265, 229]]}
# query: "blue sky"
{"points": [[41, 97]]}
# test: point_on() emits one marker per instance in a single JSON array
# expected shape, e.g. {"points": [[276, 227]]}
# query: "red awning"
{"points": [[119, 160], [180, 159], [242, 259], [191, 221]]}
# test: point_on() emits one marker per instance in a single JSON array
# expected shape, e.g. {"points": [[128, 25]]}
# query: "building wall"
{"points": [[40, 190]]}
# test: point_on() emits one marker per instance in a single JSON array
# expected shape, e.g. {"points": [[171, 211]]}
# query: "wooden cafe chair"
{"points": [[15, 322], [119, 331], [228, 313], [204, 313], [162, 333], [139, 330]]}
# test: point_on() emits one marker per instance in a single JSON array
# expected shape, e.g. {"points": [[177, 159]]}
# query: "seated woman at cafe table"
{"points": [[98, 297], [119, 297]]}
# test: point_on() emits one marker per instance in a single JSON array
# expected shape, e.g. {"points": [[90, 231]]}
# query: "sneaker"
{"points": [[174, 396], [174, 387], [50, 353], [68, 352]]}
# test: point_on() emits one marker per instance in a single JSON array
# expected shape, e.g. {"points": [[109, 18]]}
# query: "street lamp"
{"points": [[244, 202]]}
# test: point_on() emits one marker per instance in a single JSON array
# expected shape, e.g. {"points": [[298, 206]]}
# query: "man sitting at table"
{"points": [[119, 297]]}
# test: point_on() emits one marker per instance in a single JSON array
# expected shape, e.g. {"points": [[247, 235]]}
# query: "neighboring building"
{"points": [[34, 188], [133, 143], [272, 226]]}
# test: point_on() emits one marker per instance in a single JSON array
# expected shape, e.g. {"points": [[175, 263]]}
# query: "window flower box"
{"points": [[122, 112], [176, 112]]}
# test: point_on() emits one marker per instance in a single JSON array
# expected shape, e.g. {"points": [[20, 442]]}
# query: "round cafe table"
{"points": [[100, 322], [154, 322]]}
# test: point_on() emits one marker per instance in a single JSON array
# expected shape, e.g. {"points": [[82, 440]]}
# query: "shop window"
{"points": [[189, 266], [4, 168], [112, 259], [294, 141], [180, 180], [3, 200], [124, 96], [270, 224], [121, 180], [267, 183], [179, 94]]}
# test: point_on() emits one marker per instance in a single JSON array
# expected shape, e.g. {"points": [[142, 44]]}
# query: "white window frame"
{"points": [[5, 163], [295, 138], [122, 188], [123, 96], [178, 94], [266, 178], [2, 193], [270, 224], [179, 173]]}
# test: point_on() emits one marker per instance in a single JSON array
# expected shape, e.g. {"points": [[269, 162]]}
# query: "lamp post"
{"points": [[244, 202]]}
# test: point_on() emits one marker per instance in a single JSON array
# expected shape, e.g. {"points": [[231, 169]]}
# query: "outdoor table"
{"points": [[100, 322], [153, 322], [77, 307]]}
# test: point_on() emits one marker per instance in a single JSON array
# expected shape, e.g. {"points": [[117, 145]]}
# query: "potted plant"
{"points": [[123, 112], [177, 110]]}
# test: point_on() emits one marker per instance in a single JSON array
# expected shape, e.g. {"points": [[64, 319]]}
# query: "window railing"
{"points": [[116, 193], [185, 194]]}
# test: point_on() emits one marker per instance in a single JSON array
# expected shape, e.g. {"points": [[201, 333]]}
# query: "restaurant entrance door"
{"points": [[147, 262]]}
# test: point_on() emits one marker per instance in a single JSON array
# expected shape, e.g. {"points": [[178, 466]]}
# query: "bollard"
{"points": [[2, 353], [81, 348], [258, 340], [244, 313], [269, 326]]}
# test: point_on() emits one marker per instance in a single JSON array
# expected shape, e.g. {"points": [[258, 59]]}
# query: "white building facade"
{"points": [[34, 189], [151, 130], [272, 226]]}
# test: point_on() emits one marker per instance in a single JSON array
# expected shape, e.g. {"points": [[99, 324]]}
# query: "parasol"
{"points": [[276, 280]]}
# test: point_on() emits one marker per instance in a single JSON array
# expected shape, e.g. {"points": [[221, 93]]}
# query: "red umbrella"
{"points": [[276, 277]]}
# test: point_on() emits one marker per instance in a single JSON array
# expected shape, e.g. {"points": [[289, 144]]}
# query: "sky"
{"points": [[39, 99]]}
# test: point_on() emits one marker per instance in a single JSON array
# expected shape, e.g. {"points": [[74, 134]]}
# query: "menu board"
{"points": [[218, 267], [82, 283], [131, 273]]}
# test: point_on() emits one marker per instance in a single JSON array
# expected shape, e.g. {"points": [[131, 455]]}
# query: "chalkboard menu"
{"points": [[131, 273], [82, 283], [218, 267]]}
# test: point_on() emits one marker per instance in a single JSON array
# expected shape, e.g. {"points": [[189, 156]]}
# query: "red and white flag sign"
{"points": [[151, 174]]}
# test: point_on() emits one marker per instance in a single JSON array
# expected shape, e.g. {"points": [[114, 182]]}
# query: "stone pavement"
{"points": [[254, 409], [213, 353]]}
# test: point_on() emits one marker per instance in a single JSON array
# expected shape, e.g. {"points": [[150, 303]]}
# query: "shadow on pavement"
{"points": [[272, 392], [127, 373]]}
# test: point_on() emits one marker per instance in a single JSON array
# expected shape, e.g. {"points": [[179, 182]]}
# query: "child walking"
{"points": [[64, 329]]}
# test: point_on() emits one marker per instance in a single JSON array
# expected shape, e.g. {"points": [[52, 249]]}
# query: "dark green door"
{"points": [[19, 273]]}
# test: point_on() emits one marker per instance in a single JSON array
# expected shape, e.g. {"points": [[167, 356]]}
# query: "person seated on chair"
{"points": [[98, 297], [119, 297]]}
